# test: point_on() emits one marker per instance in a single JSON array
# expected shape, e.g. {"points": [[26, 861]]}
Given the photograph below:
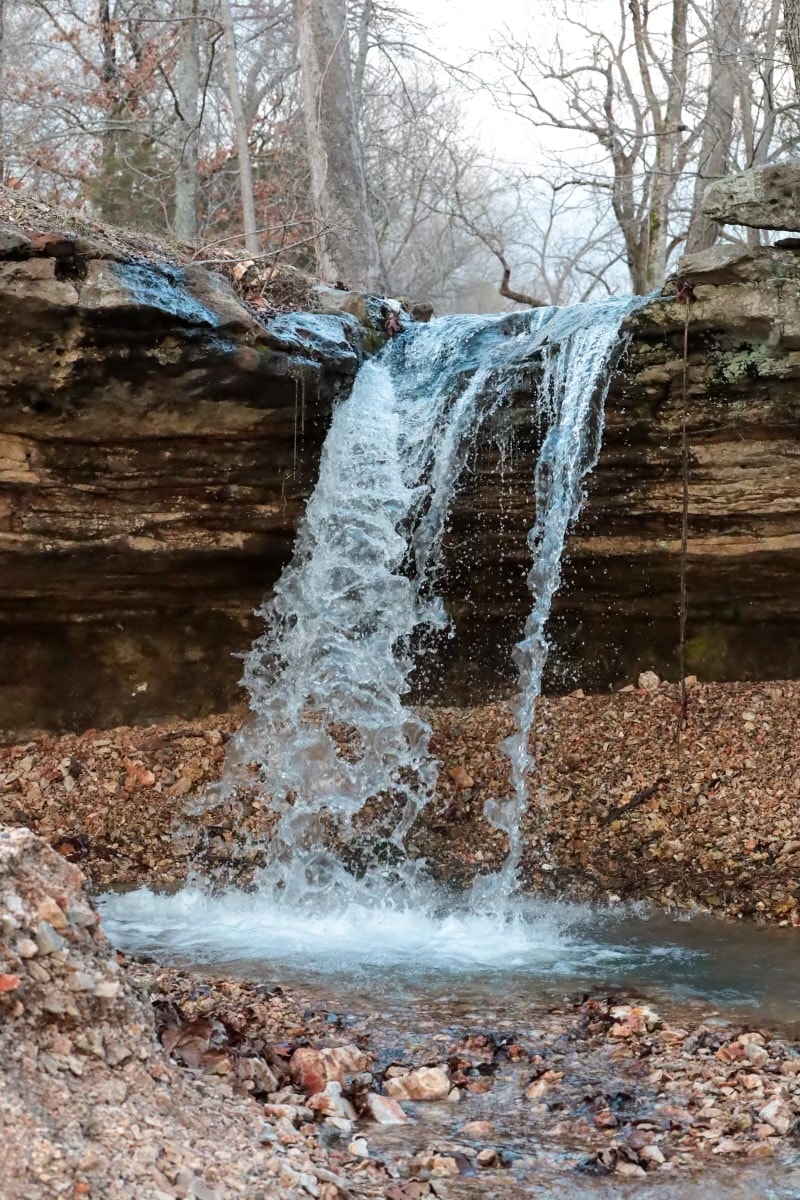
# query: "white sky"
{"points": [[462, 28]]}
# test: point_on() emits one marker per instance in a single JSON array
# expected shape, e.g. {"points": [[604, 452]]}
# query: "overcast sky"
{"points": [[460, 29]]}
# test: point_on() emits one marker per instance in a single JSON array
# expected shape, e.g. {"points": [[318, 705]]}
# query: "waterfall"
{"points": [[329, 677]]}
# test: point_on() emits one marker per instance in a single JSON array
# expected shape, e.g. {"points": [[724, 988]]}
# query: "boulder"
{"points": [[763, 198]]}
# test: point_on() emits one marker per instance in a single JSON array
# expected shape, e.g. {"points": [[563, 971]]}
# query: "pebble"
{"points": [[426, 1083]]}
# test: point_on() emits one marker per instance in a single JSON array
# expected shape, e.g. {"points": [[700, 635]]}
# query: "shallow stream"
{"points": [[416, 984]]}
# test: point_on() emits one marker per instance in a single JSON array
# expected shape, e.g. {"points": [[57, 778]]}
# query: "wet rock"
{"points": [[478, 1129], [425, 1083], [331, 1103], [311, 1070], [385, 1110]]}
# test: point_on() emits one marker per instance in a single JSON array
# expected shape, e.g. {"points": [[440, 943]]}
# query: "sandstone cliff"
{"points": [[157, 444], [618, 610]]}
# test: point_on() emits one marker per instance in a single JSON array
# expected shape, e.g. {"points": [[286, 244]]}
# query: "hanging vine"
{"points": [[685, 296]]}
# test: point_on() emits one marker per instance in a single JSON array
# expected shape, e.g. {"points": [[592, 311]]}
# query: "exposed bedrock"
{"points": [[157, 445], [618, 610]]}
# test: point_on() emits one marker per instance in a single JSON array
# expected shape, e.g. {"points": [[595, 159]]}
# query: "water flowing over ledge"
{"points": [[354, 611]]}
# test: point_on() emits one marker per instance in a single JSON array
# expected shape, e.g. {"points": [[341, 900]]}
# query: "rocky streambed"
{"points": [[123, 1076]]}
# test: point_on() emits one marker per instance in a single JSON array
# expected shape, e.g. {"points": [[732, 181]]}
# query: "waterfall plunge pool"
{"points": [[540, 948], [412, 986]]}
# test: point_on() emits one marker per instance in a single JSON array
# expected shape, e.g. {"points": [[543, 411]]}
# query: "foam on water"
{"points": [[539, 938]]}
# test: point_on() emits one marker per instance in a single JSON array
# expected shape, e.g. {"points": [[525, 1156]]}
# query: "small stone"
{"points": [[728, 1146], [331, 1103], [477, 1129], [487, 1157], [426, 1083], [461, 778], [629, 1170], [26, 948], [49, 911], [107, 989], [199, 1190], [9, 983], [344, 1126], [649, 681], [385, 1110], [81, 981], [778, 1115], [13, 243], [652, 1154], [47, 939], [443, 1165], [358, 1148], [756, 1054]]}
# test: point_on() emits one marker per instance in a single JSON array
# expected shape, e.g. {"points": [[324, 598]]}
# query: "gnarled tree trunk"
{"points": [[347, 241]]}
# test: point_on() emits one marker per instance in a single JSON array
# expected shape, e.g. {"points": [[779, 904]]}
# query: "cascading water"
{"points": [[328, 677]]}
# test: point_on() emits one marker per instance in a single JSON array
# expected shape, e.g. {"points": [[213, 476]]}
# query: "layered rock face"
{"points": [[157, 445], [618, 610]]}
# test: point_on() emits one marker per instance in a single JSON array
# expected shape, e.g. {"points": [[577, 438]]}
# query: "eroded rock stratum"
{"points": [[157, 444]]}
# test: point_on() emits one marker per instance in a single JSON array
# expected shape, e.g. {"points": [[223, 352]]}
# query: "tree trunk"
{"points": [[346, 238], [667, 129], [791, 22], [188, 94], [715, 148], [2, 73], [242, 132]]}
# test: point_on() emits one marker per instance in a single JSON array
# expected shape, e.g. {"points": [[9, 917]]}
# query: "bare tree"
{"points": [[2, 98], [622, 88], [242, 132], [188, 106], [716, 148], [791, 29], [348, 245]]}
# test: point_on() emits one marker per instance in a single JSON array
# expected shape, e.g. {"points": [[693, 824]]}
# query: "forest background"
{"points": [[374, 144]]}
